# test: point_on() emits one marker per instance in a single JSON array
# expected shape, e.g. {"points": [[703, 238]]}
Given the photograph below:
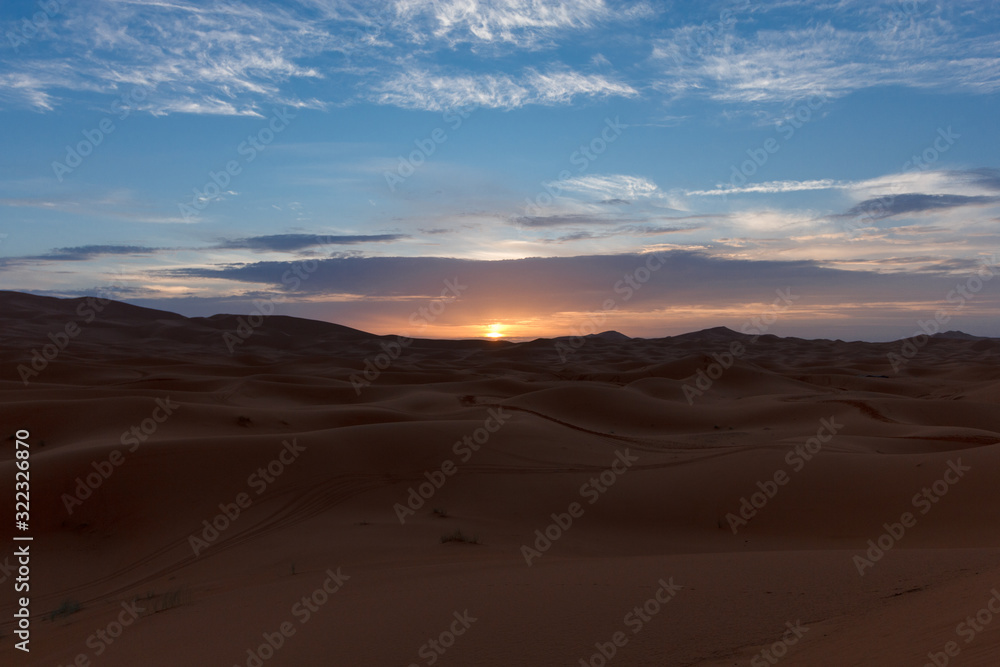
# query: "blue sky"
{"points": [[187, 155]]}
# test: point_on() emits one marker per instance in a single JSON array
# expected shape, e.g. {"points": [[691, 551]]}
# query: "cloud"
{"points": [[217, 57], [831, 58], [663, 121], [887, 207], [986, 178], [275, 243], [78, 254], [610, 187], [542, 221], [973, 182], [293, 242], [518, 22], [617, 232], [560, 86], [26, 88], [230, 57], [970, 182], [81, 253], [769, 187], [919, 192], [547, 280], [422, 89]]}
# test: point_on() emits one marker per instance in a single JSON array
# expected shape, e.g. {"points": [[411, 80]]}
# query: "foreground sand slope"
{"points": [[646, 479]]}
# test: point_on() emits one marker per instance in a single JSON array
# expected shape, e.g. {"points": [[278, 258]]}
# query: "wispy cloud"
{"points": [[227, 57], [970, 183], [520, 22], [17, 88], [422, 89], [542, 221], [832, 59], [769, 187], [218, 57], [82, 253], [610, 187], [294, 242], [617, 232], [234, 57], [966, 183], [878, 209], [79, 254]]}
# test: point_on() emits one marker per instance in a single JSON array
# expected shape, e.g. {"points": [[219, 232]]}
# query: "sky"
{"points": [[510, 168]]}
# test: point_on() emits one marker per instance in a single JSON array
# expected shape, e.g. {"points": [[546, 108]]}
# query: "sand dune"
{"points": [[753, 481]]}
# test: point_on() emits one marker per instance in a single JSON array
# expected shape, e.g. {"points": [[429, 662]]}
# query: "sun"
{"points": [[495, 330]]}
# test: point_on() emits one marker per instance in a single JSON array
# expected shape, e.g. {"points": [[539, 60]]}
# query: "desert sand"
{"points": [[322, 481]]}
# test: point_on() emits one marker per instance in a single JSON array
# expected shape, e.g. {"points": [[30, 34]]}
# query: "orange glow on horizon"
{"points": [[495, 331]]}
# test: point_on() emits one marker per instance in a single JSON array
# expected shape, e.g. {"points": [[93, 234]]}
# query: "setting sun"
{"points": [[495, 330]]}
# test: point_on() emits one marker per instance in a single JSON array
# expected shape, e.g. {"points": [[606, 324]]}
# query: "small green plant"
{"points": [[459, 536], [67, 608]]}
